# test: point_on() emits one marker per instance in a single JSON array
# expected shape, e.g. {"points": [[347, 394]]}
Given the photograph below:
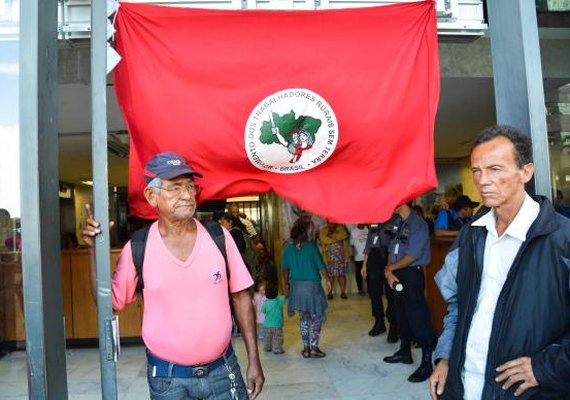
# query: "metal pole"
{"points": [[101, 196], [41, 265], [519, 92]]}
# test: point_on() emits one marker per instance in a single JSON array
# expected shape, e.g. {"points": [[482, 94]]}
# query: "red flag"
{"points": [[332, 109]]}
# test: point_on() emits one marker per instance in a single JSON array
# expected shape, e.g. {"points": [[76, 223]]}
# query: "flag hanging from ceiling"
{"points": [[332, 109]]}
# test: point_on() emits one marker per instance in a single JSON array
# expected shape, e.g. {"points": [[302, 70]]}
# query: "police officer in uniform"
{"points": [[409, 252], [375, 260]]}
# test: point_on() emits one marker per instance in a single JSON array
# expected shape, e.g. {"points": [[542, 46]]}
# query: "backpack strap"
{"points": [[217, 234], [138, 245]]}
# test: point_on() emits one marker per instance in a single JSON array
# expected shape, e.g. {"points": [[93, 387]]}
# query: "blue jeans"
{"points": [[216, 385]]}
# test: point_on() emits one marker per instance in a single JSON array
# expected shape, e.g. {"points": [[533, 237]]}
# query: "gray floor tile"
{"points": [[352, 370]]}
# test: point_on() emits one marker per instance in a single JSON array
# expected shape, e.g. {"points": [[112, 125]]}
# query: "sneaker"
{"points": [[279, 351]]}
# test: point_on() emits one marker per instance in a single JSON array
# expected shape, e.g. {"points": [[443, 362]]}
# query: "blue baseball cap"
{"points": [[167, 166]]}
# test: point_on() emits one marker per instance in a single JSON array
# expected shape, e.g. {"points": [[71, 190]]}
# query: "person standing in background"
{"points": [[310, 222], [259, 299], [226, 221], [449, 221], [333, 241], [303, 268], [248, 227], [358, 235], [375, 260], [245, 244], [267, 269], [409, 253], [6, 230], [558, 203], [273, 322]]}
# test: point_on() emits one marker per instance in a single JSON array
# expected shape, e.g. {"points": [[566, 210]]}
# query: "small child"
{"points": [[258, 300], [273, 324]]}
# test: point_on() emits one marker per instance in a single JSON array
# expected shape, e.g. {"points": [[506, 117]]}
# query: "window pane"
{"points": [[558, 109], [11, 301]]}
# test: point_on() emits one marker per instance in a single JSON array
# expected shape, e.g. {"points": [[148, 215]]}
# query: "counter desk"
{"points": [[80, 312], [437, 306]]}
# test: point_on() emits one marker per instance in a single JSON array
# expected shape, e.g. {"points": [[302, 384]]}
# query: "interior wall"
{"points": [[469, 187]]}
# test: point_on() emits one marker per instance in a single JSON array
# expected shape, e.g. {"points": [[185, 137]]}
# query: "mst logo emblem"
{"points": [[290, 131]]}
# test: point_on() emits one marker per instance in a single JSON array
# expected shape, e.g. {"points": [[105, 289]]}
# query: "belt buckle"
{"points": [[200, 371]]}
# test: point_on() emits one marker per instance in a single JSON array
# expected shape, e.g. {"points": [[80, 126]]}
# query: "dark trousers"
{"points": [[412, 309], [358, 274], [377, 286]]}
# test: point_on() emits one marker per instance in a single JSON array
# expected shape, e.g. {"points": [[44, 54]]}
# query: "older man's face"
{"points": [[178, 204], [495, 173]]}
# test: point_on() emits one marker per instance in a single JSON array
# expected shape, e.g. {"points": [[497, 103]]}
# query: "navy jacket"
{"points": [[532, 316]]}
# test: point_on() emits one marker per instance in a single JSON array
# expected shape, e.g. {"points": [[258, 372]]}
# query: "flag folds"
{"points": [[332, 109]]}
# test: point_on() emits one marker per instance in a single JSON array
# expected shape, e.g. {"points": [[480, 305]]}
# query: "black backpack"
{"points": [[138, 245]]}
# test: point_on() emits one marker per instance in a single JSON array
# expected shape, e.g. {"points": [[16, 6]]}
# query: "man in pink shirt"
{"points": [[187, 318]]}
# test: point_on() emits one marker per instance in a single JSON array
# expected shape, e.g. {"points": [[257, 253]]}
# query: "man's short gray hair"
{"points": [[155, 184]]}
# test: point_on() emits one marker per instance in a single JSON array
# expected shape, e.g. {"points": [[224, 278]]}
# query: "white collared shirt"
{"points": [[499, 255]]}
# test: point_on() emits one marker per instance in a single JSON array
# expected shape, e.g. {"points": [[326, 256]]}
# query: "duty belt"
{"points": [[165, 369]]}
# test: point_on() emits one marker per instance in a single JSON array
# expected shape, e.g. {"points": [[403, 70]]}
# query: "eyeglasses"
{"points": [[177, 190]]}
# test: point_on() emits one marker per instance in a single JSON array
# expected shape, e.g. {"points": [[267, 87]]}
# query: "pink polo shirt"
{"points": [[186, 316]]}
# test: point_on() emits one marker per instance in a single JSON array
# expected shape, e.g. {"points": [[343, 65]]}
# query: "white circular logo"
{"points": [[291, 131]]}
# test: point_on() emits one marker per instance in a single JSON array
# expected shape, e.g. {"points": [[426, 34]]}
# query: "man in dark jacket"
{"points": [[409, 252], [375, 260], [507, 285]]}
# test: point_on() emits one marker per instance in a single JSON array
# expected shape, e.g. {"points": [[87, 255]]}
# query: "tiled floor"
{"points": [[353, 368]]}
